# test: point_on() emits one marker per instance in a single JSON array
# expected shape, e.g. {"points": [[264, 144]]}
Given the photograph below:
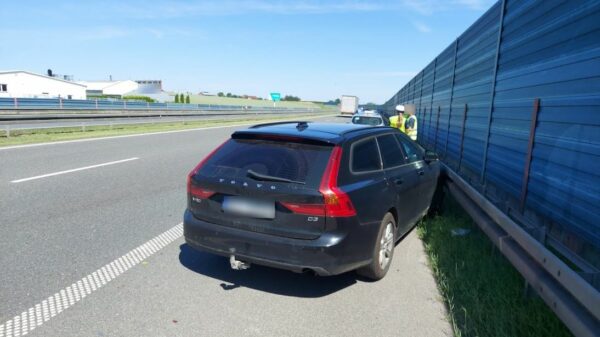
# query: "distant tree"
{"points": [[220, 94], [176, 98], [337, 101], [139, 98], [290, 98], [187, 99], [228, 94]]}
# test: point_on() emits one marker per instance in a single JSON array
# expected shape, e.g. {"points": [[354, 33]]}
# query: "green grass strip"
{"points": [[18, 137], [484, 294]]}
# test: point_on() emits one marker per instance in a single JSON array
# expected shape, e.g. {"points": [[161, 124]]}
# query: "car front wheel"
{"points": [[384, 250]]}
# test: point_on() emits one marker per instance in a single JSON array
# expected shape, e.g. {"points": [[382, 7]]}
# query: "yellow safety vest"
{"points": [[397, 124]]}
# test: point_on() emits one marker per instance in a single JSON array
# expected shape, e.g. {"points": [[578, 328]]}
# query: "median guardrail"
{"points": [[102, 104], [13, 125]]}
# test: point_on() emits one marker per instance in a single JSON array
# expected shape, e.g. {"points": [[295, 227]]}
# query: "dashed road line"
{"points": [[73, 170], [30, 319]]}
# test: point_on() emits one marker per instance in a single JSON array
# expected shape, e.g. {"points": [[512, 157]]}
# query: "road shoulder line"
{"points": [[42, 312]]}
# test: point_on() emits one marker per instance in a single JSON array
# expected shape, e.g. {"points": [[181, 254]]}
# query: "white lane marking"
{"points": [[30, 319], [74, 170], [159, 132]]}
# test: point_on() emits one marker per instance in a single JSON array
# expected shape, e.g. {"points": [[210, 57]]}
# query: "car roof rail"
{"points": [[279, 123]]}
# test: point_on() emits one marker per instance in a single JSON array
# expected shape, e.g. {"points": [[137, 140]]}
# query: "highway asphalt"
{"points": [[68, 209]]}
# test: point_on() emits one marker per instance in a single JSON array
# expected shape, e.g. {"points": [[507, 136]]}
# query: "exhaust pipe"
{"points": [[237, 264]]}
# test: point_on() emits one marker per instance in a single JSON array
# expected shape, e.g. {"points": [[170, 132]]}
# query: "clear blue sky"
{"points": [[317, 50]]}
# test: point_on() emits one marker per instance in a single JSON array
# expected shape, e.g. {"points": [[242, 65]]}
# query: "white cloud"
{"points": [[174, 9], [421, 27], [475, 4], [382, 74], [429, 7], [102, 33], [138, 9]]}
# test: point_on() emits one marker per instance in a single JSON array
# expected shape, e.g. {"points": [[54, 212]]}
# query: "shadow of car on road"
{"points": [[276, 281]]}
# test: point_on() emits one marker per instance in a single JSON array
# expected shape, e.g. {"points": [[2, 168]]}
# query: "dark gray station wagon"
{"points": [[310, 197]]}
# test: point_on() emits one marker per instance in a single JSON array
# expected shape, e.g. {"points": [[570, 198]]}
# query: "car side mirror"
{"points": [[430, 156]]}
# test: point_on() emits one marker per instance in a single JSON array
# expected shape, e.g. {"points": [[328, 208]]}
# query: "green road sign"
{"points": [[275, 96]]}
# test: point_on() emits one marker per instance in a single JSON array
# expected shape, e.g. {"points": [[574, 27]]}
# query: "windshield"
{"points": [[373, 121]]}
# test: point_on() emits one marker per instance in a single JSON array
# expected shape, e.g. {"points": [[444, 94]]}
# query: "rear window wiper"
{"points": [[264, 177]]}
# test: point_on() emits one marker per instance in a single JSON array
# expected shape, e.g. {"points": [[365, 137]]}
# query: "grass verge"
{"points": [[71, 133], [200, 99], [484, 294]]}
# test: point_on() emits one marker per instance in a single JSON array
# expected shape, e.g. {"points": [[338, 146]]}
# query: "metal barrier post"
{"points": [[431, 105], [462, 137], [96, 103], [430, 125], [16, 103], [493, 92], [8, 131], [437, 126], [451, 97], [423, 138], [60, 103], [528, 156]]}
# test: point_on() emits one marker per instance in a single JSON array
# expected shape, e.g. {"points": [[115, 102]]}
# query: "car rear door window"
{"points": [[299, 162], [412, 153], [365, 156], [390, 150]]}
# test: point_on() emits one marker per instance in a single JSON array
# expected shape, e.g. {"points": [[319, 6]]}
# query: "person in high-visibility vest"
{"points": [[411, 125], [398, 120]]}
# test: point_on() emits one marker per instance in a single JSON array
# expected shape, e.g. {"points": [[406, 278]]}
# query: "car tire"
{"points": [[384, 250]]}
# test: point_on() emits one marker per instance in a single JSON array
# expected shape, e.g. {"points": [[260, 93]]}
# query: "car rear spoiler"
{"points": [[253, 134]]}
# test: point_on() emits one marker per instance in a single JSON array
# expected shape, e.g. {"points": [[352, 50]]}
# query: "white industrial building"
{"points": [[148, 88], [23, 84], [110, 88]]}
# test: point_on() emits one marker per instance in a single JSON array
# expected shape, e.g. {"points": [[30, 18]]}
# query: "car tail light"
{"points": [[200, 192], [306, 209], [197, 191], [337, 203]]}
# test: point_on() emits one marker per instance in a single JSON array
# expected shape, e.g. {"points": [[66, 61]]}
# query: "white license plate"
{"points": [[249, 207]]}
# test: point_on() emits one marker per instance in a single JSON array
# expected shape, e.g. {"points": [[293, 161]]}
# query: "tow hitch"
{"points": [[237, 264]]}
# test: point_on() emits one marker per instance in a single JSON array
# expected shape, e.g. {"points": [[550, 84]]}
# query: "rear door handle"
{"points": [[398, 181], [421, 173]]}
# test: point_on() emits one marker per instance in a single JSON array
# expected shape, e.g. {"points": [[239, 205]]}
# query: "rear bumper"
{"points": [[334, 252]]}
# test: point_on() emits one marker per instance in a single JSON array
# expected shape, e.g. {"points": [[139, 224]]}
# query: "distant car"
{"points": [[371, 118], [310, 197]]}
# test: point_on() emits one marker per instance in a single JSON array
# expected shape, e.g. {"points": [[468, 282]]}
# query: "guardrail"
{"points": [[99, 104], [83, 124]]}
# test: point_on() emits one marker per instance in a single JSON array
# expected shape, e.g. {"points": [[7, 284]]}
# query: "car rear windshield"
{"points": [[374, 121], [298, 162]]}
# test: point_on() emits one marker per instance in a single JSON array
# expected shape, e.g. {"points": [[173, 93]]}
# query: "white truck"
{"points": [[348, 105]]}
